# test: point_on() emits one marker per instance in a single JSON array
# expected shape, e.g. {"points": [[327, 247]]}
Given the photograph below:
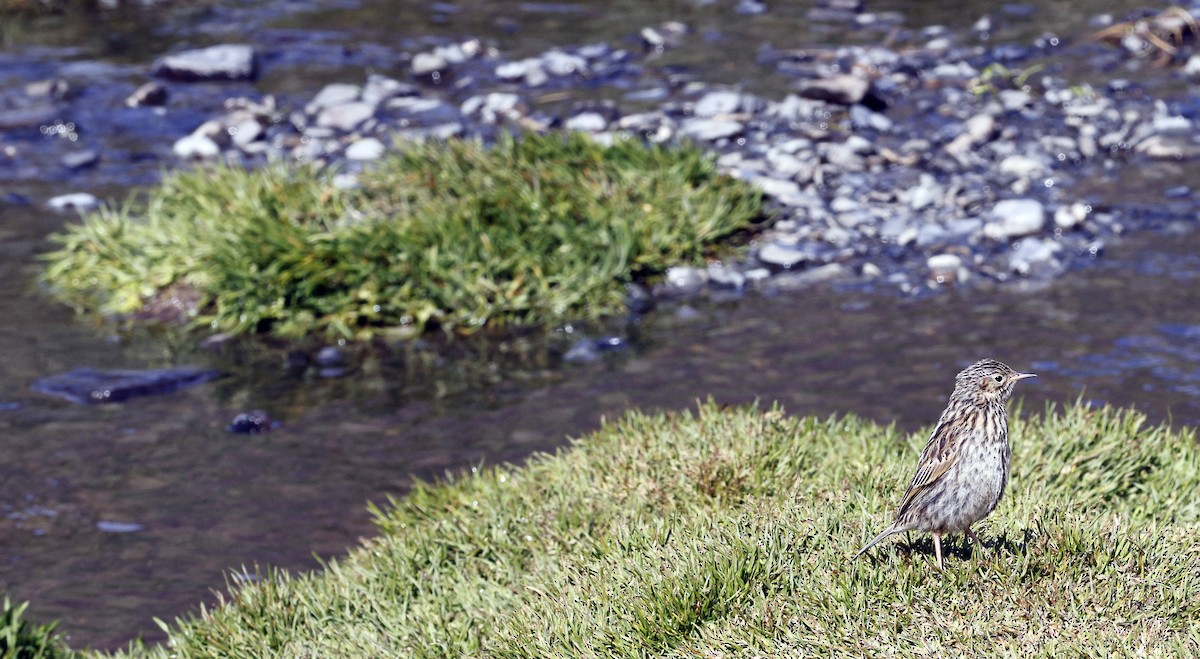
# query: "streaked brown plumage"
{"points": [[963, 469]]}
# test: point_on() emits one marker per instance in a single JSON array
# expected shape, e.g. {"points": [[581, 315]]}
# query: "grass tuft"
{"points": [[730, 532], [533, 230]]}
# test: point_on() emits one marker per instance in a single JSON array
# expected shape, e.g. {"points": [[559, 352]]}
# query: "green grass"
{"points": [[534, 230], [21, 639], [730, 532]]}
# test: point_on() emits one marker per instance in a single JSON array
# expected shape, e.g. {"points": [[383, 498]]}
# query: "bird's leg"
{"points": [[937, 548], [978, 542]]}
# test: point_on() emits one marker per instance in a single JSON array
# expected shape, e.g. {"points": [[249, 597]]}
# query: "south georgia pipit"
{"points": [[963, 469]]}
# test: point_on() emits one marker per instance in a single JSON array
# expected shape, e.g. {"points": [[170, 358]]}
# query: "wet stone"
{"points": [[79, 201], [840, 89], [710, 130], [1034, 256], [1015, 217], [196, 147], [88, 385], [224, 62], [80, 159], [588, 122], [149, 94], [367, 148], [252, 423], [345, 117]]}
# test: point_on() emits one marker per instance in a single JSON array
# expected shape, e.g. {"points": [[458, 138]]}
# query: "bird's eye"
{"points": [[998, 378]]}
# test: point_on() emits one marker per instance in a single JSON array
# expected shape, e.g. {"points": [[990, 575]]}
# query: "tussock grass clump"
{"points": [[22, 639], [535, 229], [730, 532]]}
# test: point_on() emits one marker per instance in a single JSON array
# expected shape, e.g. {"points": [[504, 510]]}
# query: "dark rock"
{"points": [[150, 93], [252, 423], [88, 385], [841, 89]]}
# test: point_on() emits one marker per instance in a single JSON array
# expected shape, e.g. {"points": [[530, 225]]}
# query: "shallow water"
{"points": [[110, 515]]}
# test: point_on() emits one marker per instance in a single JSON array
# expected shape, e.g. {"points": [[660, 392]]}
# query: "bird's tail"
{"points": [[891, 530]]}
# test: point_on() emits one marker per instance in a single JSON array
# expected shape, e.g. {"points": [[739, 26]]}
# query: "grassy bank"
{"points": [[451, 235], [729, 532]]}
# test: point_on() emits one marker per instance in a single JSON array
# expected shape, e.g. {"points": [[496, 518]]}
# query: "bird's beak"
{"points": [[1022, 376]]}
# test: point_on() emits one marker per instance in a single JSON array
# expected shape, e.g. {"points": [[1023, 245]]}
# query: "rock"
{"points": [[587, 122], [428, 64], [944, 265], [926, 193], [252, 423], [345, 117], [1034, 255], [224, 62], [333, 94], [368, 148], [1192, 67], [87, 385], [1022, 166], [726, 277], [784, 191], [148, 94], [1168, 148], [784, 255], [80, 159], [805, 278], [105, 526], [717, 103], [196, 146], [710, 130], [684, 279], [1067, 217], [1014, 100], [493, 107], [977, 130], [1172, 125], [842, 89], [1015, 217], [380, 89], [79, 201], [24, 117], [558, 63]]}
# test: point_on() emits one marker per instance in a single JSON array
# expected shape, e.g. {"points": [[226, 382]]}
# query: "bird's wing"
{"points": [[941, 452]]}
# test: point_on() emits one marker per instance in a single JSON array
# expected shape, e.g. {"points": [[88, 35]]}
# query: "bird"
{"points": [[963, 469]]}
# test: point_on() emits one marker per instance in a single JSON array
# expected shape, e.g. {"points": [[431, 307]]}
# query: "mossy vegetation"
{"points": [[453, 235], [730, 532]]}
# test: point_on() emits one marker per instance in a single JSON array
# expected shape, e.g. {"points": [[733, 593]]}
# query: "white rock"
{"points": [[80, 201], [196, 146], [1023, 166], [944, 264], [368, 148], [587, 122], [1066, 217], [1015, 217]]}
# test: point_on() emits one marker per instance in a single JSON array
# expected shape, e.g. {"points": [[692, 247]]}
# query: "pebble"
{"points": [[368, 148], [1015, 217], [197, 147], [346, 116], [841, 89], [79, 201], [710, 130]]}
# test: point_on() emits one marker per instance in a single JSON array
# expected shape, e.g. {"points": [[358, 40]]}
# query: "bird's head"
{"points": [[988, 380]]}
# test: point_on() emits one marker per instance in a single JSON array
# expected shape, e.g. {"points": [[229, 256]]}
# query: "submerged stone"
{"points": [[89, 385]]}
